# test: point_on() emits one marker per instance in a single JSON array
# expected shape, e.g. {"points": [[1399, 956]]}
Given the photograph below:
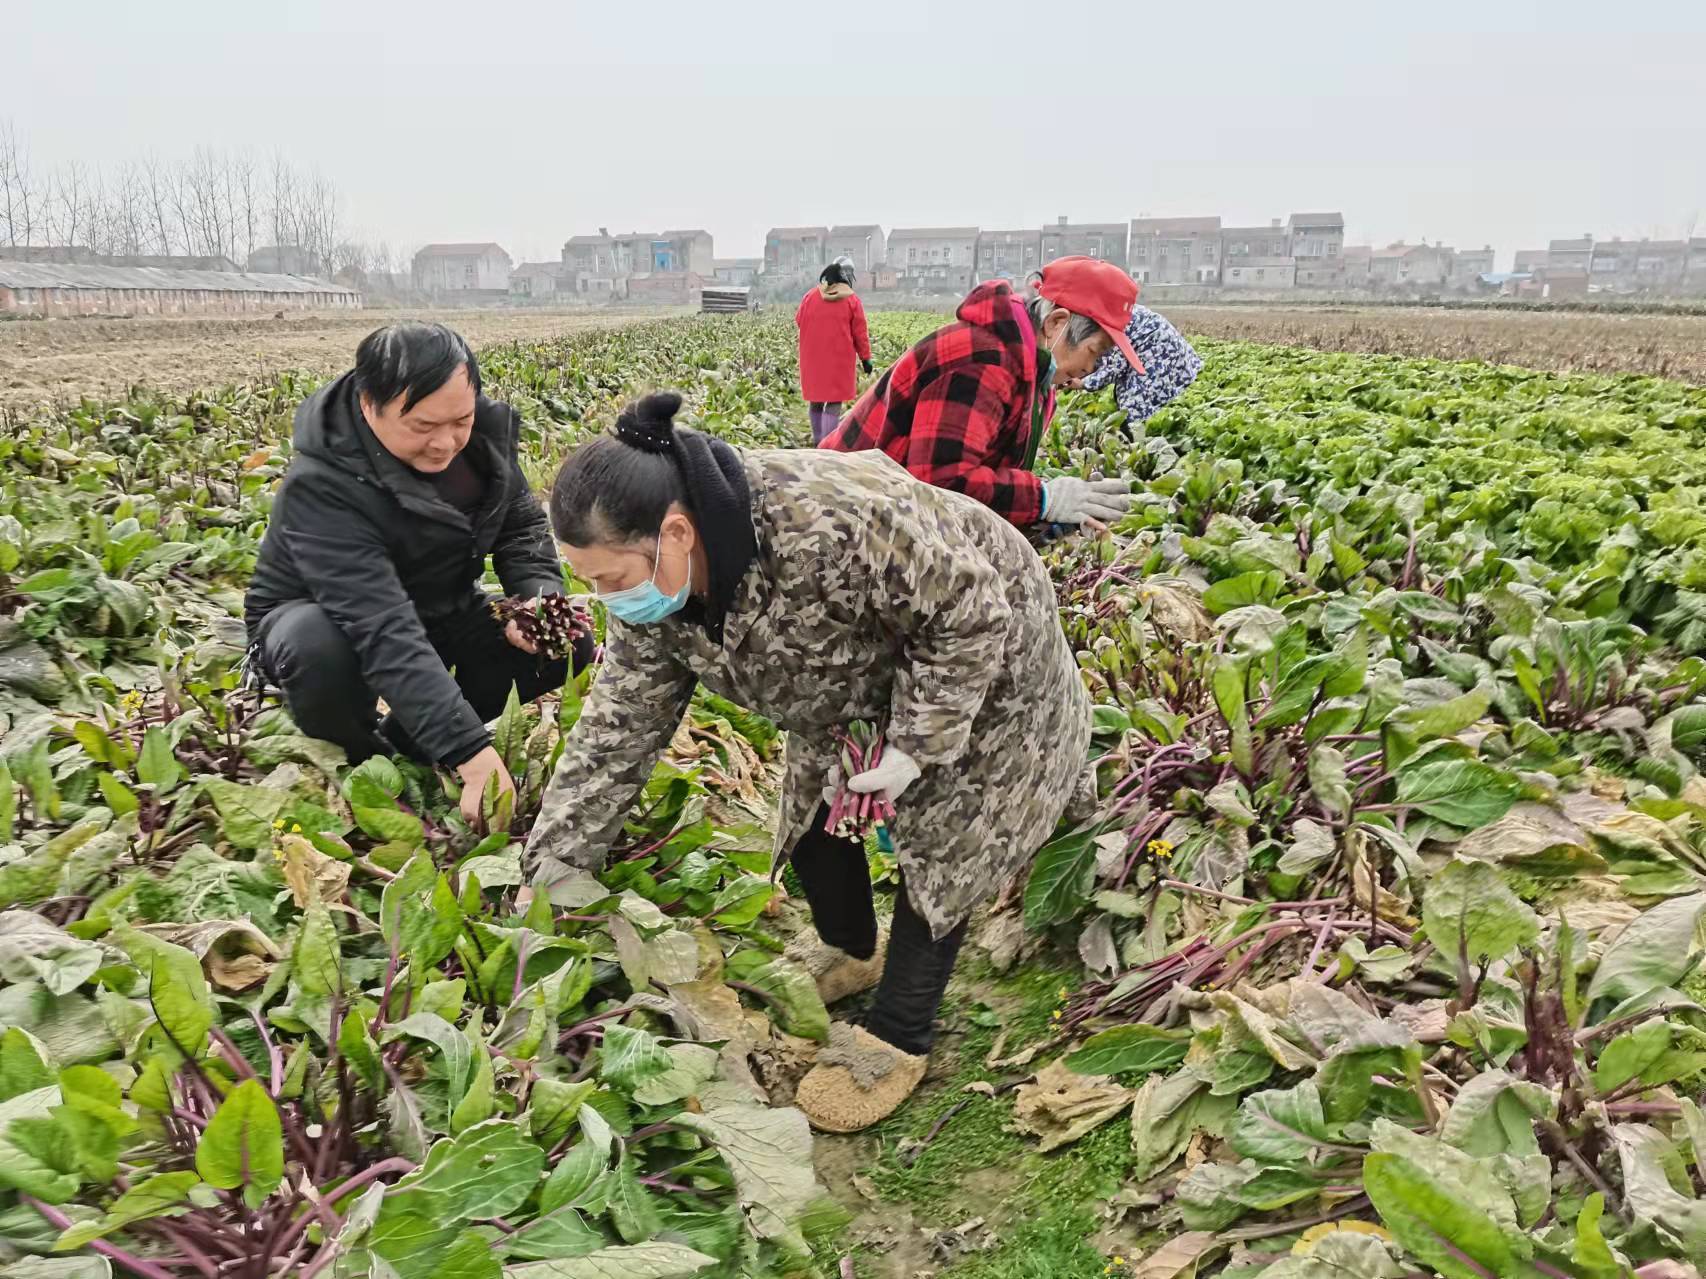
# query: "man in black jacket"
{"points": [[404, 479]]}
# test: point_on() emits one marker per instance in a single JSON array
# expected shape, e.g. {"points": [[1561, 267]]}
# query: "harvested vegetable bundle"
{"points": [[851, 815], [551, 623]]}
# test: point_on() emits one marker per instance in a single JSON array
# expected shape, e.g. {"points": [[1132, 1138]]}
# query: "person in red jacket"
{"points": [[831, 320], [966, 408]]}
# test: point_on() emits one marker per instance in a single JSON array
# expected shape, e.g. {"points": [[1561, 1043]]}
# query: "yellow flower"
{"points": [[295, 829], [1119, 1261], [1064, 992], [1160, 848], [278, 824]]}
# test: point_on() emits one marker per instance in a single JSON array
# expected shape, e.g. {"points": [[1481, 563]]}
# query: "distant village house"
{"points": [[470, 269], [864, 245], [934, 259], [795, 252], [1105, 241], [1176, 250], [1009, 255]]}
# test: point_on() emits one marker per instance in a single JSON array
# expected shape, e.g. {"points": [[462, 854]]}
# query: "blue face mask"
{"points": [[645, 603], [1053, 364]]}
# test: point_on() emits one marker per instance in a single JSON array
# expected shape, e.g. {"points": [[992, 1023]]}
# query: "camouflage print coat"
{"points": [[873, 595]]}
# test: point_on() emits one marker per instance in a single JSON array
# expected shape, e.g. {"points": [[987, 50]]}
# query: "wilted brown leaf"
{"points": [[1178, 1258], [233, 952], [312, 875], [1060, 1106]]}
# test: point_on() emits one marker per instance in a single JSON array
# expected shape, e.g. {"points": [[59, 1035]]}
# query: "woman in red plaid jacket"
{"points": [[966, 408]]}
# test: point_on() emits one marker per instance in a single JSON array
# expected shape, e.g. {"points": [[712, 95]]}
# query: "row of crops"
{"points": [[1388, 936]]}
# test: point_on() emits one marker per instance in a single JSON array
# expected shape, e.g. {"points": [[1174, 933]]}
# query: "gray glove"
{"points": [[1070, 500]]}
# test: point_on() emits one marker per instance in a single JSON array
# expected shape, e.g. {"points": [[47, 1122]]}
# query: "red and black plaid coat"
{"points": [[955, 410]]}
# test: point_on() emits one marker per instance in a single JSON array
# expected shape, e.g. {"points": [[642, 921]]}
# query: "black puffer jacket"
{"points": [[370, 541]]}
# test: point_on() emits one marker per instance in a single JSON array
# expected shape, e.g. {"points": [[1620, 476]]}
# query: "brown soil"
{"points": [[1670, 346], [47, 361]]}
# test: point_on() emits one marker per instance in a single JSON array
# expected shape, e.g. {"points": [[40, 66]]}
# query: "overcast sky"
{"points": [[525, 121]]}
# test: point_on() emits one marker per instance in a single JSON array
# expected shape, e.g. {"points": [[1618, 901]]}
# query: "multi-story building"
{"points": [[1411, 266], [589, 262], [865, 245], [1638, 266], [1661, 266], [534, 281], [1103, 240], [1175, 250], [1468, 266], [1359, 263], [631, 253], [1568, 272], [689, 250], [1271, 241], [1568, 257], [1611, 268], [602, 263], [1008, 255], [462, 268], [1694, 269], [1257, 257], [1317, 245], [1530, 262], [935, 258], [794, 252]]}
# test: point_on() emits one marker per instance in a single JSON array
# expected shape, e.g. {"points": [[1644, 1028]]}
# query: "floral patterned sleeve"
{"points": [[1170, 365]]}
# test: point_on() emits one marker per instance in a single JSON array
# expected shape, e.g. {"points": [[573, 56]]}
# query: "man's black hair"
{"points": [[411, 360]]}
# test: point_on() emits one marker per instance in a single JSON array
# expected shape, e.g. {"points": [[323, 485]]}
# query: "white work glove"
{"points": [[1070, 500], [891, 777]]}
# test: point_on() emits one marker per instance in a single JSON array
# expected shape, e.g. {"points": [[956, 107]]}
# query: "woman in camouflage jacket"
{"points": [[821, 588]]}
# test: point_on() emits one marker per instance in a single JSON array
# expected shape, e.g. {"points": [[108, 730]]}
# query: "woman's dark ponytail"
{"points": [[617, 488]]}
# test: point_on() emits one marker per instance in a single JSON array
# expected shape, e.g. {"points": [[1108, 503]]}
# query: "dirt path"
{"points": [[44, 361]]}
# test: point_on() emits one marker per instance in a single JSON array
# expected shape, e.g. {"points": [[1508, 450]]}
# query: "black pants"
{"points": [[837, 880], [303, 653]]}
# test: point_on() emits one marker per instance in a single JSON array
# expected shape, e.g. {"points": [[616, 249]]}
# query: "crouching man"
{"points": [[402, 481]]}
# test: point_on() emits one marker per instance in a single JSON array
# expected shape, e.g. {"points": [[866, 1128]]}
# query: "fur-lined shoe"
{"points": [[859, 1080], [837, 973]]}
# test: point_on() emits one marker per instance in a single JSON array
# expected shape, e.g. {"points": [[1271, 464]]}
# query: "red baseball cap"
{"points": [[1100, 290]]}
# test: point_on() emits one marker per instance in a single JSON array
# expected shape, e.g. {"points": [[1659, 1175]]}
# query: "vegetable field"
{"points": [[1382, 958]]}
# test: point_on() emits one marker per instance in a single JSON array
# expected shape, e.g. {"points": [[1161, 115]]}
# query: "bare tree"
{"points": [[128, 210], [158, 203], [321, 218], [201, 197], [68, 206], [248, 207], [98, 220], [212, 204], [281, 201], [17, 191]]}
